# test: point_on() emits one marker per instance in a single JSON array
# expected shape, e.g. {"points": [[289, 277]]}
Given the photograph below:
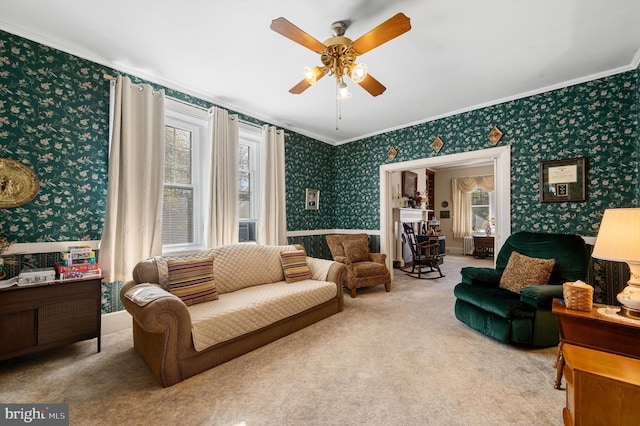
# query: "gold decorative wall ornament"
{"points": [[437, 144], [494, 135], [392, 152], [18, 183]]}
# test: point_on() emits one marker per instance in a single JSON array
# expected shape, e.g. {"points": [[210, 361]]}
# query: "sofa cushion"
{"points": [[154, 269], [249, 309], [523, 271], [498, 301], [244, 265], [294, 265], [335, 242], [356, 250], [192, 280], [368, 269]]}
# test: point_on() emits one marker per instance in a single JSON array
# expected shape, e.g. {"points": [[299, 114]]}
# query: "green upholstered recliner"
{"points": [[524, 318]]}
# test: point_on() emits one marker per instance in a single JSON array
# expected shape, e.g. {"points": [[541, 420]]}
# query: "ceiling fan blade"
{"points": [[388, 30], [293, 33], [304, 84], [373, 86]]}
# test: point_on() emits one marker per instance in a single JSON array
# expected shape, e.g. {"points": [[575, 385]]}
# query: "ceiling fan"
{"points": [[338, 53]]}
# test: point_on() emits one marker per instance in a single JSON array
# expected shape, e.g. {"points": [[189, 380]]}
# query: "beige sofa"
{"points": [[251, 304]]}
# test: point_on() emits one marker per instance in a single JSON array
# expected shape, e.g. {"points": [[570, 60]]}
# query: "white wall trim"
{"points": [[499, 156], [48, 247], [311, 232], [115, 321]]}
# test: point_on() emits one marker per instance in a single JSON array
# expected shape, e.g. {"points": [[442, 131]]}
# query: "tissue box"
{"points": [[578, 296]]}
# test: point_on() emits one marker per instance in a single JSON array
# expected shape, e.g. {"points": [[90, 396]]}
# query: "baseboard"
{"points": [[115, 321]]}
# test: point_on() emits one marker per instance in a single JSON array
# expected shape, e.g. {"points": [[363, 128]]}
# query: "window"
{"points": [[481, 209], [183, 197], [248, 178]]}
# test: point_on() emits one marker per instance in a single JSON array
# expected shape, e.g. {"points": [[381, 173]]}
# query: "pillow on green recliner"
{"points": [[523, 271]]}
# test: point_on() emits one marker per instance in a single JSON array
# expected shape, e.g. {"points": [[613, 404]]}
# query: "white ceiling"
{"points": [[459, 54]]}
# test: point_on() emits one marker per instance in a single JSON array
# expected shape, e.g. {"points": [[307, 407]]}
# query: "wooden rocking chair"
{"points": [[425, 254]]}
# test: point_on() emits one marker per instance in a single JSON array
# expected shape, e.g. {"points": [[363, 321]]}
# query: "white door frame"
{"points": [[499, 156]]}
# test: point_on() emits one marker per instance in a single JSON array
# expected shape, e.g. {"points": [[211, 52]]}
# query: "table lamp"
{"points": [[619, 241]]}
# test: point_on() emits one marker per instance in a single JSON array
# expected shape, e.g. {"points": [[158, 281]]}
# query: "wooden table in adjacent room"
{"points": [[482, 247], [599, 355]]}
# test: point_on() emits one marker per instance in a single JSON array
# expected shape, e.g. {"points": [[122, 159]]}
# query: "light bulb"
{"points": [[358, 72], [310, 75], [343, 91]]}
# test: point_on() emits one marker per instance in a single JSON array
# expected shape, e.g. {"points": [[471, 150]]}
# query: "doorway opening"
{"points": [[500, 157]]}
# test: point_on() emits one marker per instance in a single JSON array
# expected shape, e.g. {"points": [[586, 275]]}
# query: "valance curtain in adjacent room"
{"points": [[272, 223], [133, 221], [223, 219], [461, 189]]}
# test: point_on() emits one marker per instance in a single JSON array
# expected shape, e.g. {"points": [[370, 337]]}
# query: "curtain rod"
{"points": [[112, 78]]}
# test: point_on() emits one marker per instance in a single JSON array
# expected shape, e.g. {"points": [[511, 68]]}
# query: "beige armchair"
{"points": [[364, 269]]}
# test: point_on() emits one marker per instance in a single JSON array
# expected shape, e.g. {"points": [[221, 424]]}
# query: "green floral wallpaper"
{"points": [[310, 164], [54, 113], [597, 120]]}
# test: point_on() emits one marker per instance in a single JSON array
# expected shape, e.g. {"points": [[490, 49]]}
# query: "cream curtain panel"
{"points": [[272, 223], [461, 189], [133, 221], [223, 218]]}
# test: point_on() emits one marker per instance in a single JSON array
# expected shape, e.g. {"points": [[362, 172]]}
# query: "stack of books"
{"points": [[77, 262]]}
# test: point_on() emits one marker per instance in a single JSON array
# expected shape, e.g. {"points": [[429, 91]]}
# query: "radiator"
{"points": [[468, 245]]}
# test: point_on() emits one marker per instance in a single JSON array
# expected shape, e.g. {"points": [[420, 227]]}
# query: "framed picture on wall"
{"points": [[563, 180], [409, 184], [312, 199]]}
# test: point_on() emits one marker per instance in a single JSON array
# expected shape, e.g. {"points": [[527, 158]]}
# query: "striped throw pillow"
{"points": [[294, 265], [192, 280]]}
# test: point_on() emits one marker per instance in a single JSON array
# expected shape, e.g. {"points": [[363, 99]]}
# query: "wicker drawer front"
{"points": [[77, 316]]}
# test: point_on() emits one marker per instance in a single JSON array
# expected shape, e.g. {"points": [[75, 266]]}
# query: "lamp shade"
{"points": [[619, 236]]}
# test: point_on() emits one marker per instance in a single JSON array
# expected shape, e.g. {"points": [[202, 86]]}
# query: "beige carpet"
{"points": [[398, 358]]}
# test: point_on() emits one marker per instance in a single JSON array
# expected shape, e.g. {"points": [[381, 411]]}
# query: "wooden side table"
{"points": [[599, 355], [482, 247], [43, 316], [602, 388]]}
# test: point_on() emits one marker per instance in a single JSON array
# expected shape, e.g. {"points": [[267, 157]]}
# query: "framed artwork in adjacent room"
{"points": [[563, 180], [409, 184], [312, 199]]}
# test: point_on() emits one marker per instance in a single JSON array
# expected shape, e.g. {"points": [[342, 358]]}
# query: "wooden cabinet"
{"points": [[38, 317], [600, 358], [602, 388], [431, 191]]}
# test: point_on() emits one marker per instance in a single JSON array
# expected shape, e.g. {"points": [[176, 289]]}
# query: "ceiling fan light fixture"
{"points": [[358, 72], [311, 74], [343, 91]]}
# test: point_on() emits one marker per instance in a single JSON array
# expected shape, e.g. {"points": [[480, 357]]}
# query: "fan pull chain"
{"points": [[338, 110]]}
